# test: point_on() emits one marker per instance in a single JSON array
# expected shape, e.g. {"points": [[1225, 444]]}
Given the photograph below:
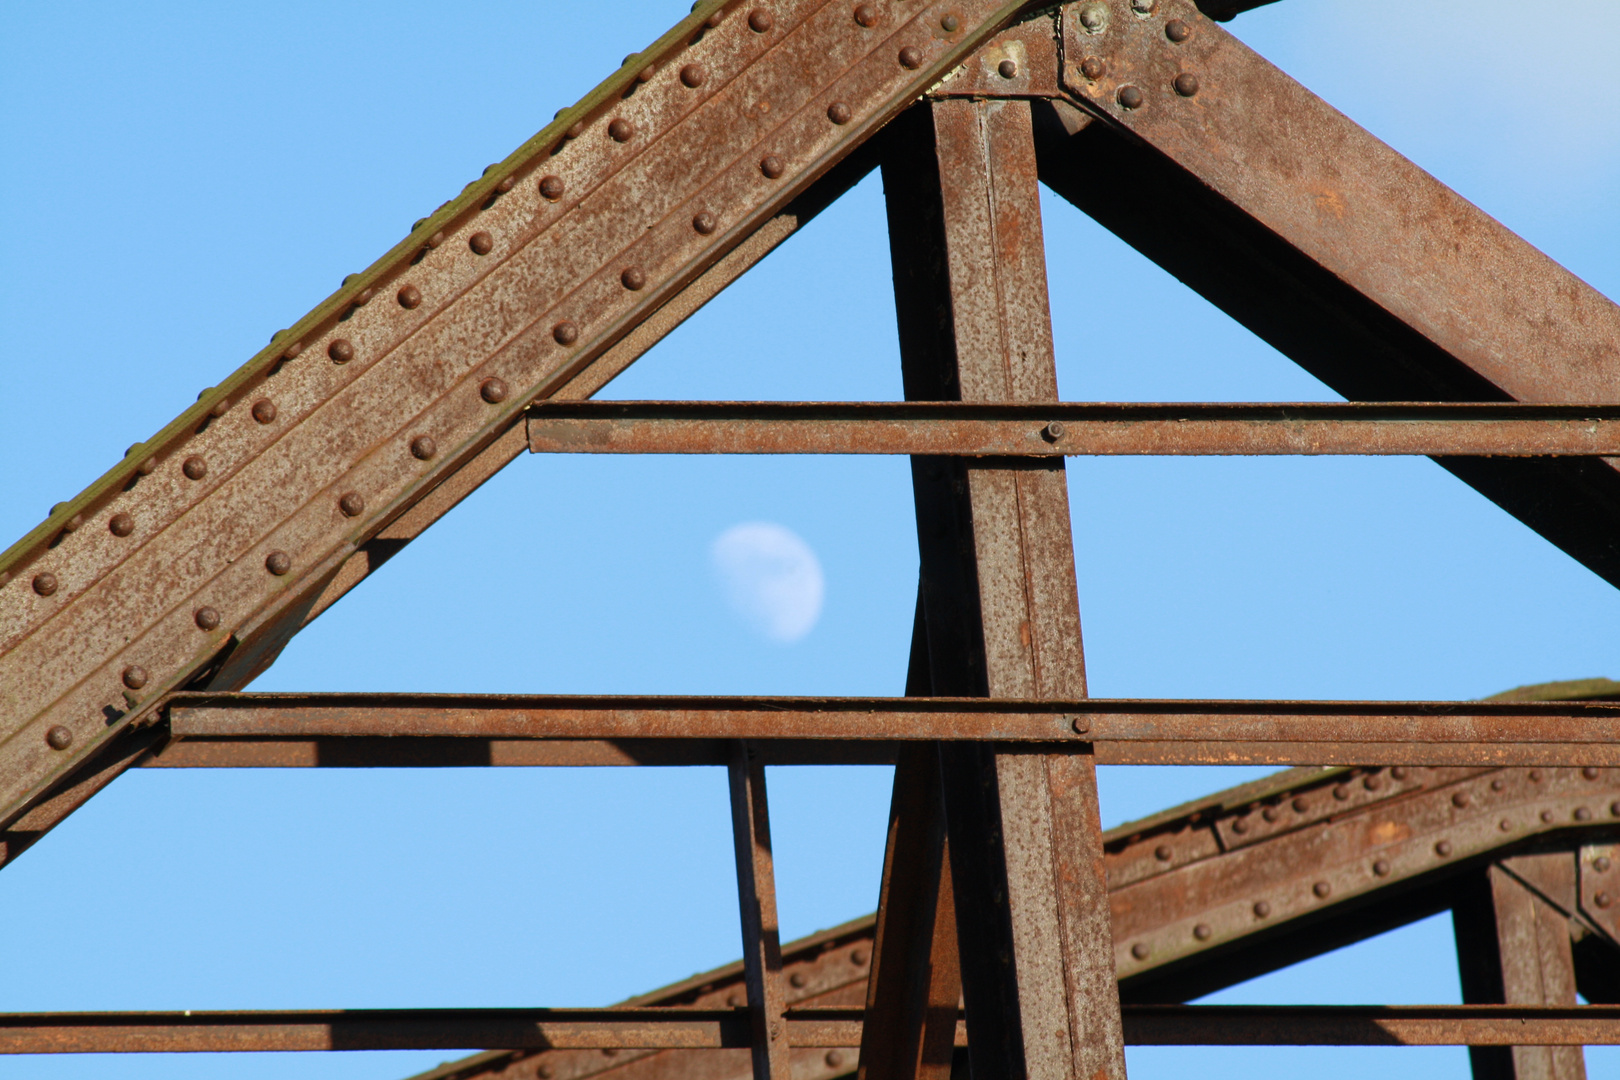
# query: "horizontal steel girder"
{"points": [[976, 430], [829, 1027], [865, 729]]}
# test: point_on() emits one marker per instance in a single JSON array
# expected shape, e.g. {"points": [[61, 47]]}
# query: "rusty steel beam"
{"points": [[222, 532], [978, 430], [1116, 732], [830, 1027], [756, 894], [1330, 246]]}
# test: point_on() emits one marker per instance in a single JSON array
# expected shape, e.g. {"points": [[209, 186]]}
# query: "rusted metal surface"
{"points": [[1370, 1025], [999, 595], [521, 286], [756, 895], [1330, 246], [1021, 62], [1513, 948], [973, 430]]}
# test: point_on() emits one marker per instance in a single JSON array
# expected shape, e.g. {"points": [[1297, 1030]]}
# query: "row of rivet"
{"points": [[1093, 18]]}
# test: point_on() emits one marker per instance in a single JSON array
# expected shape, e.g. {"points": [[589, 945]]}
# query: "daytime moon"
{"points": [[771, 578]]}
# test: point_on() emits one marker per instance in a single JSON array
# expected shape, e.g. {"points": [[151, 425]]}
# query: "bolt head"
{"points": [[565, 333], [423, 446], [1080, 724], [351, 504], [409, 296], [1144, 7], [341, 351], [839, 113], [772, 166], [620, 129], [135, 677], [264, 411], [59, 738], [1140, 950], [866, 15], [1186, 84], [278, 562], [911, 57], [481, 243], [692, 75], [120, 524], [1129, 97], [1093, 17], [704, 223], [206, 618], [1177, 31], [760, 21], [1007, 69], [1053, 431], [1092, 68], [492, 390], [194, 468], [633, 278], [551, 188]]}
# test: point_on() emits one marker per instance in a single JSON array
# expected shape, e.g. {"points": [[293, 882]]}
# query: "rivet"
{"points": [[423, 447], [1140, 950], [1373, 783], [5, 576], [838, 113], [1240, 826], [1443, 848], [1093, 17], [551, 187], [1092, 68], [72, 523], [834, 1058], [351, 504], [292, 351], [264, 411], [1582, 814], [341, 351], [1602, 899], [1460, 799], [481, 243], [1186, 84], [1535, 776], [409, 296], [633, 278], [1080, 724], [565, 333], [857, 956], [1591, 772], [544, 1072], [1261, 908], [645, 74], [206, 618], [772, 166], [703, 222], [715, 19], [45, 583], [911, 57], [194, 467], [135, 676], [1053, 431], [1007, 68], [492, 390], [734, 1000], [364, 297], [436, 239], [221, 407], [1601, 864], [1342, 792], [1163, 853], [1177, 31], [1269, 813], [506, 184], [798, 978], [278, 562], [1398, 772], [120, 524], [1505, 825], [1144, 7], [1129, 97], [576, 129], [949, 24], [59, 738], [1322, 889], [1381, 868], [760, 21], [1300, 805], [1548, 817], [1498, 784], [620, 129], [866, 15], [1614, 809], [1202, 932], [692, 75]]}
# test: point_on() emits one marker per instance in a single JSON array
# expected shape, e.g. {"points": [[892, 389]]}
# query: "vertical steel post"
{"points": [[756, 894], [1513, 948], [999, 597]]}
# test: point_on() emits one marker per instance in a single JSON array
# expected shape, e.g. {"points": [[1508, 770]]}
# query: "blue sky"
{"points": [[184, 179]]}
